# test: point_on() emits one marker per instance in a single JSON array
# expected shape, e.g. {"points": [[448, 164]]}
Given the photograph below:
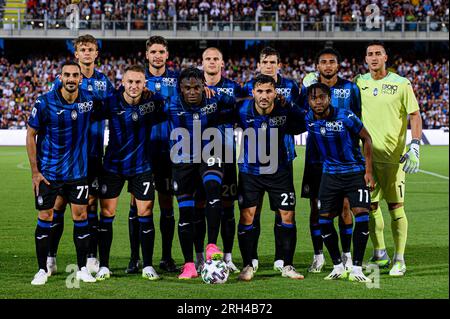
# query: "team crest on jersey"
{"points": [[74, 115], [40, 200], [147, 108], [240, 199], [170, 82], [341, 93], [134, 116], [227, 91], [104, 189], [175, 186], [375, 91], [158, 86], [90, 88], [318, 204], [286, 92], [195, 116], [323, 131], [389, 89], [306, 189], [34, 112], [264, 125], [277, 121]]}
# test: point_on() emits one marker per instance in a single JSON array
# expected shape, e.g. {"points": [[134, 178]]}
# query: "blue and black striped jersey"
{"points": [[165, 85], [285, 120], [62, 144], [101, 88], [129, 151], [345, 95], [181, 118], [290, 90], [337, 140]]}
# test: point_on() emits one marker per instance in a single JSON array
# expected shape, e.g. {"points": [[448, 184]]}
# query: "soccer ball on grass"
{"points": [[215, 272]]}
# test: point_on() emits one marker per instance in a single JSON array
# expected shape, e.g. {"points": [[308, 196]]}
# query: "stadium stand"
{"points": [[21, 84]]}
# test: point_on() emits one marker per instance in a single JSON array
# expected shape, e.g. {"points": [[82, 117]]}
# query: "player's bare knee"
{"points": [[247, 216], [46, 215], [373, 206], [287, 217]]}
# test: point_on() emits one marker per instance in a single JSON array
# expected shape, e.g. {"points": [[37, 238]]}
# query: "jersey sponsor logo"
{"points": [[277, 120], [34, 112], [375, 91], [169, 82], [227, 91], [208, 109], [389, 89], [286, 92], [341, 93], [74, 115], [85, 106], [364, 88], [100, 85], [335, 126], [134, 116], [147, 108]]}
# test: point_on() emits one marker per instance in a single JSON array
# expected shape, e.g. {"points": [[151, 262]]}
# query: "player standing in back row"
{"points": [[387, 101]]}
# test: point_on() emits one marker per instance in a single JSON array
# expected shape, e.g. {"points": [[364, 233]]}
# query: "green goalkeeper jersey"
{"points": [[385, 105]]}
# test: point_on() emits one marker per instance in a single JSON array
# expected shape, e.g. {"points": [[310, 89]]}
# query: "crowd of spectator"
{"points": [[22, 83], [345, 12]]}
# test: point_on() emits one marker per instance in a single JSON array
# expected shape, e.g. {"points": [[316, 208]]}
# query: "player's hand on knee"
{"points": [[37, 179], [411, 158], [370, 182]]}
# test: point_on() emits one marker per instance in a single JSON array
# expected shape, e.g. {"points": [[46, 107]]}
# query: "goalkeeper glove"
{"points": [[411, 158], [310, 79]]}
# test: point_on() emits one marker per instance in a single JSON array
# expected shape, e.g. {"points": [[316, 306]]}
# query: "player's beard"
{"points": [[70, 90], [328, 76]]}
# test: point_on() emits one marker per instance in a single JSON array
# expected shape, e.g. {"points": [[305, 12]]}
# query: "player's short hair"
{"points": [[156, 39], [323, 87], [69, 63], [214, 49], [135, 68], [376, 42], [328, 51], [191, 72], [86, 38], [263, 79], [267, 51]]}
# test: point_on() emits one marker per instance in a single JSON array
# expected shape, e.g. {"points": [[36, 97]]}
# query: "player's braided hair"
{"points": [[321, 86], [189, 73]]}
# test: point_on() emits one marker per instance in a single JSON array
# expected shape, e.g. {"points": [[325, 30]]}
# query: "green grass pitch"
{"points": [[426, 254]]}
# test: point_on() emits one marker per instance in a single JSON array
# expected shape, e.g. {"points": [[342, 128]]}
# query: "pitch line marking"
{"points": [[434, 174], [21, 166]]}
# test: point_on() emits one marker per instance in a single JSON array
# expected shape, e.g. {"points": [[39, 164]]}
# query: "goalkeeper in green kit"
{"points": [[387, 101]]}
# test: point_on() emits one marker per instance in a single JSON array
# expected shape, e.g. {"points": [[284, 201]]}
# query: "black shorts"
{"points": [[162, 172], [187, 177], [229, 184], [280, 187], [312, 175], [141, 185], [95, 168], [76, 192], [334, 187]]}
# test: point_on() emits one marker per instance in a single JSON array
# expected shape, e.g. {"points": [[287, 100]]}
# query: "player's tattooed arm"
{"points": [[36, 176], [367, 147]]}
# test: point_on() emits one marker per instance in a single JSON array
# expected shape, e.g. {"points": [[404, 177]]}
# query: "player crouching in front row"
{"points": [[336, 134]]}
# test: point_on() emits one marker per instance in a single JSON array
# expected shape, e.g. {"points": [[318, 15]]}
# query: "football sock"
{"points": [[228, 229], [186, 226], [288, 238], [245, 238], [279, 249], [330, 238], [56, 231], [41, 239], [213, 211], [167, 227], [360, 238], [376, 227], [345, 234], [105, 235], [147, 238], [399, 226], [199, 229], [256, 232], [133, 232], [93, 224], [316, 238], [81, 238]]}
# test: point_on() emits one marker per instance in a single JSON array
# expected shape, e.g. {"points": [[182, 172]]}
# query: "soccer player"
{"points": [[86, 52], [268, 121], [127, 157], [163, 81], [212, 61], [61, 119], [188, 114], [336, 132], [387, 102], [270, 64], [344, 94]]}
